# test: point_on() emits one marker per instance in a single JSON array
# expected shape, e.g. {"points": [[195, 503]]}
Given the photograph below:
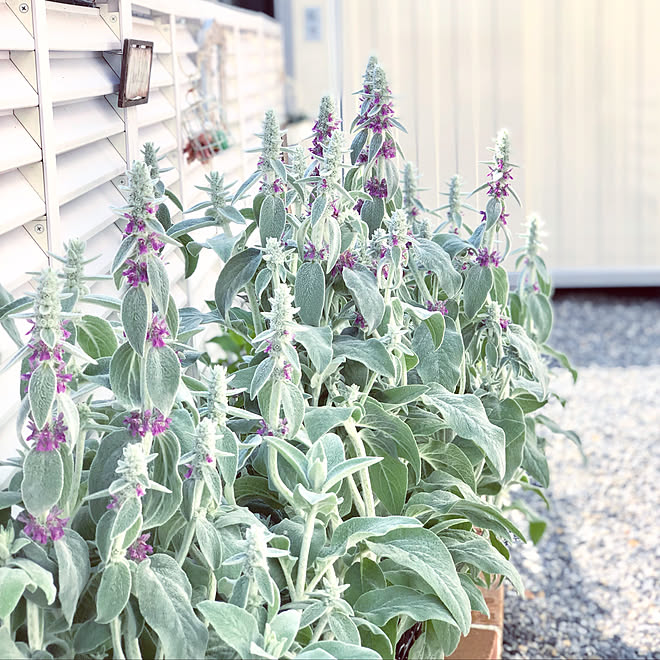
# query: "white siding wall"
{"points": [[64, 143], [575, 82]]}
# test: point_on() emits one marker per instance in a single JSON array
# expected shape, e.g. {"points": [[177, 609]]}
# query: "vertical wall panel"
{"points": [[574, 82]]}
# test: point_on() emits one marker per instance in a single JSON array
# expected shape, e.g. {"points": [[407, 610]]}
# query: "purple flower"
{"points": [[136, 272], [139, 549], [287, 370], [345, 260], [503, 217], [263, 428], [140, 491], [535, 286], [189, 471], [376, 188], [321, 134], [159, 423], [504, 323], [358, 205], [150, 241], [150, 420], [50, 436], [310, 252], [277, 186], [379, 120], [484, 258], [133, 225], [152, 208], [41, 531], [388, 150], [157, 331], [112, 504], [438, 306], [42, 353], [483, 216], [359, 321]]}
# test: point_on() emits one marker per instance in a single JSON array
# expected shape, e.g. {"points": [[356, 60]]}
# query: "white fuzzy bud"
{"points": [[503, 146], [217, 401], [271, 139], [274, 254], [133, 467], [298, 165], [333, 154], [47, 304]]}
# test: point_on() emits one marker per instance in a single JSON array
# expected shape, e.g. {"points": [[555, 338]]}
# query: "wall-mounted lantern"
{"points": [[135, 72]]}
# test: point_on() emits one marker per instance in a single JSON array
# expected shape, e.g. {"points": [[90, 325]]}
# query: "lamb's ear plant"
{"points": [[340, 488]]}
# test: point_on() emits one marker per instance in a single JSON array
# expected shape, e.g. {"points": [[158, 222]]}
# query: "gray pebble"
{"points": [[594, 575]]}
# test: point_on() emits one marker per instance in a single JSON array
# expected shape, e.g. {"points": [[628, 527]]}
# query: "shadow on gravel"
{"points": [[558, 619], [607, 327]]}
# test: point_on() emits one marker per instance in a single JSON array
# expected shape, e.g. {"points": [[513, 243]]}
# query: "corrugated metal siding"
{"points": [[80, 50], [574, 82]]}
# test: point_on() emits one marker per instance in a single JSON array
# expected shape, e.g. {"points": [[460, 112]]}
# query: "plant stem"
{"points": [[274, 474], [357, 498], [321, 572], [369, 501], [304, 553], [320, 628], [229, 494], [369, 385], [133, 649], [182, 552], [75, 485], [35, 626], [254, 308], [115, 629]]}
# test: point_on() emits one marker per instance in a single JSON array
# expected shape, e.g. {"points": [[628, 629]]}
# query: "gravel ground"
{"points": [[592, 582]]}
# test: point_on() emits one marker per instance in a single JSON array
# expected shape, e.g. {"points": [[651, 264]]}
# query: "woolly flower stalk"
{"points": [[298, 165], [334, 150], [409, 189], [256, 547], [74, 264], [48, 331], [271, 139], [372, 63], [534, 225], [503, 146], [376, 101], [151, 159], [454, 198], [218, 195], [132, 470], [142, 195], [399, 228], [217, 399], [274, 254], [48, 306], [203, 455], [324, 126], [280, 317]]}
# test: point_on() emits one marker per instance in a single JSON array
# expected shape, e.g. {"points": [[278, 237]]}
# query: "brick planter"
{"points": [[484, 641]]}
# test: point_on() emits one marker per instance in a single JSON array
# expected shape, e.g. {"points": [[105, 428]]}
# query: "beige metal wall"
{"points": [[575, 81]]}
